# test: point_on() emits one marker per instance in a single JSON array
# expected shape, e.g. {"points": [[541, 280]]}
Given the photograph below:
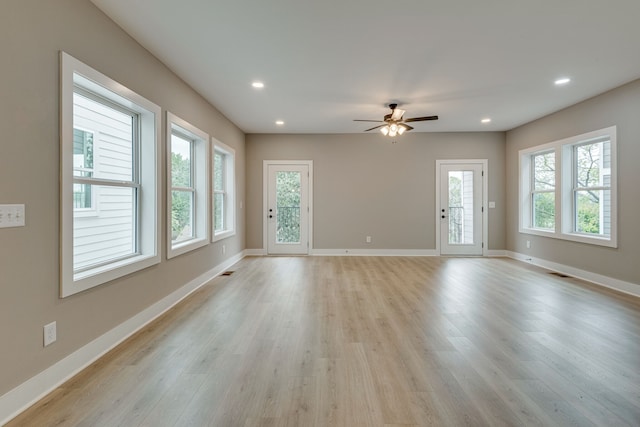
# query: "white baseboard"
{"points": [[373, 252], [495, 253], [598, 279], [255, 252], [26, 394]]}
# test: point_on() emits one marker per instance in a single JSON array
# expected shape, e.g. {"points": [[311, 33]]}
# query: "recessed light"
{"points": [[562, 81], [487, 120], [257, 85], [279, 122]]}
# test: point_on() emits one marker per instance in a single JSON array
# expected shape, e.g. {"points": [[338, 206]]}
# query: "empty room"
{"points": [[288, 213]]}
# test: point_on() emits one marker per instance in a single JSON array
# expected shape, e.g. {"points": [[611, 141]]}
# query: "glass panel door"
{"points": [[287, 209], [461, 209]]}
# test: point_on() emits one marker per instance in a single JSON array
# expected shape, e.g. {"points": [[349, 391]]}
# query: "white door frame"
{"points": [[265, 199], [485, 198]]}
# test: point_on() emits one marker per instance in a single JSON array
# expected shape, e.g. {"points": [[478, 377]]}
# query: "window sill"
{"points": [[572, 237], [221, 235], [187, 246], [106, 273]]}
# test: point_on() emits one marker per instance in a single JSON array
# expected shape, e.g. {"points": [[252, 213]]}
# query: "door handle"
{"points": [[443, 217], [270, 216]]}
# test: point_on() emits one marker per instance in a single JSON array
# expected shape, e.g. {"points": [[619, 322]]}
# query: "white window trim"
{"points": [[230, 179], [563, 150], [74, 72], [201, 184]]}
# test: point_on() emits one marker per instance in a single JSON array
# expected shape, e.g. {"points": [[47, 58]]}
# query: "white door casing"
{"points": [[461, 217], [287, 207]]}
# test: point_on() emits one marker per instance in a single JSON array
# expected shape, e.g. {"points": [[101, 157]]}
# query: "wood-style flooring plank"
{"points": [[370, 341]]}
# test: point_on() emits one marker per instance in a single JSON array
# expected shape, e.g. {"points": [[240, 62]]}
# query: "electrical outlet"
{"points": [[11, 216], [50, 333], [224, 249], [528, 244], [368, 239]]}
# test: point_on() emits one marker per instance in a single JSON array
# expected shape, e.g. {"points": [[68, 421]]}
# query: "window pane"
{"points": [[593, 164], [181, 215], [593, 212], [110, 149], [544, 210], [82, 196], [218, 210], [218, 172], [180, 162], [107, 234], [544, 175], [82, 153]]}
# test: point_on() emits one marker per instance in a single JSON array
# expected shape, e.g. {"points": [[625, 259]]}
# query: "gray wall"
{"points": [[364, 185], [32, 32], [619, 107]]}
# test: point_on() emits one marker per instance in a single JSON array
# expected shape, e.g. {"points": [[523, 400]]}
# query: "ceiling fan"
{"points": [[394, 123]]}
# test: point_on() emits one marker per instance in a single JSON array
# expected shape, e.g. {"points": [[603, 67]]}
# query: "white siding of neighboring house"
{"points": [[106, 230]]}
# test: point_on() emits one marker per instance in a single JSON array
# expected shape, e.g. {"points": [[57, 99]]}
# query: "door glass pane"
{"points": [[461, 207], [288, 207]]}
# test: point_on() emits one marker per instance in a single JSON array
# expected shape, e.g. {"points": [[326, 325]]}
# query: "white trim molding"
{"points": [[485, 200], [255, 252], [26, 394], [493, 253], [597, 279], [373, 252]]}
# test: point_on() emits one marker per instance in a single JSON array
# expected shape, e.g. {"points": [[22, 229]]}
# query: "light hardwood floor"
{"points": [[370, 341]]}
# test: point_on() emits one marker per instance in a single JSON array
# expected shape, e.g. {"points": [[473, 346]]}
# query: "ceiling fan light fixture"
{"points": [[384, 130], [401, 129]]}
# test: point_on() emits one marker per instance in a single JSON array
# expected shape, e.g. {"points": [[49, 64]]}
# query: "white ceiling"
{"points": [[327, 62]]}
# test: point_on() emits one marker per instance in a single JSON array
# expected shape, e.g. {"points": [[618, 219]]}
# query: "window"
{"points": [[570, 189], [109, 179], [223, 191], [188, 151], [592, 188]]}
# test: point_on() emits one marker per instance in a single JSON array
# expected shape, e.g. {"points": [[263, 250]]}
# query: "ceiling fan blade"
{"points": [[376, 121], [367, 130], [407, 127], [421, 119], [397, 114]]}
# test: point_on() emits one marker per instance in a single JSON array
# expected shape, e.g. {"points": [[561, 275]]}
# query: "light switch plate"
{"points": [[50, 333], [11, 216]]}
